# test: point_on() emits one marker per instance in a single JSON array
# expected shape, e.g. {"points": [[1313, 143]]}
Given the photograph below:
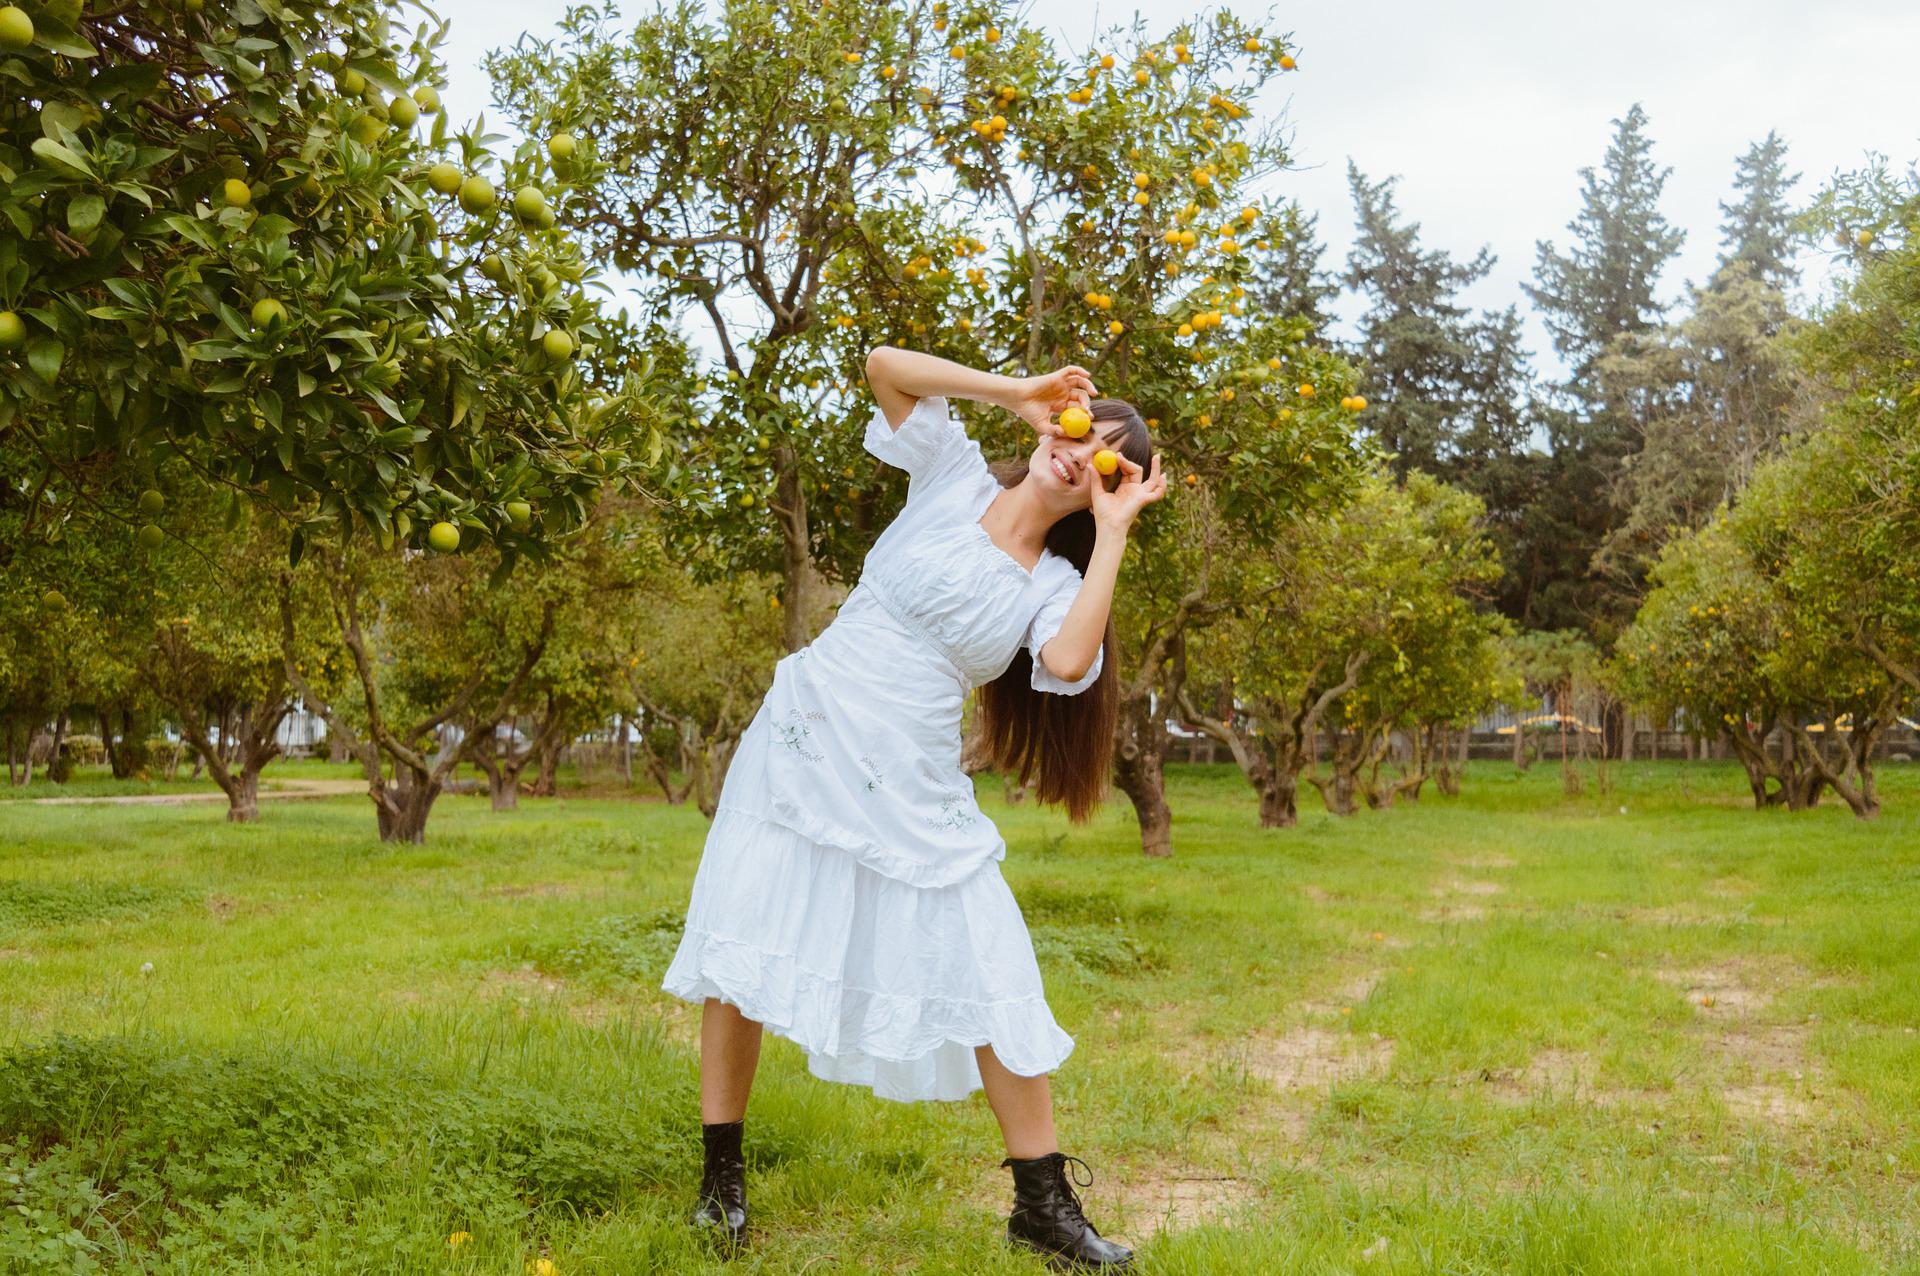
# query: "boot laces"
{"points": [[1068, 1179]]}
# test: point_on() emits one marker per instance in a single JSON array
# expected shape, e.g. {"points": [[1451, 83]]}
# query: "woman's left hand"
{"points": [[1117, 509], [1038, 399]]}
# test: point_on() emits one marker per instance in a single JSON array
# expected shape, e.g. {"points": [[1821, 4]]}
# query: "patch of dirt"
{"points": [[1689, 914], [1733, 886], [1317, 894], [1312, 1058], [1381, 939], [1466, 886], [519, 890], [1551, 1074], [521, 981], [1765, 1070], [1342, 1000], [222, 906], [1723, 991], [15, 954], [1442, 913], [1170, 1200]]}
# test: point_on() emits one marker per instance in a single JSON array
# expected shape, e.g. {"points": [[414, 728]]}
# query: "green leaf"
{"points": [[462, 399], [44, 355], [296, 546], [54, 153], [84, 213]]}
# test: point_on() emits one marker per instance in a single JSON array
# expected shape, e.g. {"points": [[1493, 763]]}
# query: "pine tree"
{"points": [[1604, 285], [1601, 291], [1758, 228], [1445, 387], [1288, 280]]}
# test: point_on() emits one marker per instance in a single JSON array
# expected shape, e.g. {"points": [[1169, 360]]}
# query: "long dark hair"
{"points": [[1067, 739]]}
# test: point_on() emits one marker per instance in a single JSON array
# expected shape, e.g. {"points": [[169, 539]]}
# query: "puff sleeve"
{"points": [[930, 444], [1065, 581]]}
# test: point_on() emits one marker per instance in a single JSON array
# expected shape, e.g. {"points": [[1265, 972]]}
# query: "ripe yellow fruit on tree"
{"points": [[237, 192], [443, 537]]}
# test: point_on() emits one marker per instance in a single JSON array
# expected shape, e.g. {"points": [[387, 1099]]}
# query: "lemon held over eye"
{"points": [[1075, 422]]}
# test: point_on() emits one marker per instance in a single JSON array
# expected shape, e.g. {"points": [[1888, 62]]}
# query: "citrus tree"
{"points": [[240, 241], [214, 657], [1394, 582], [815, 181], [1703, 645]]}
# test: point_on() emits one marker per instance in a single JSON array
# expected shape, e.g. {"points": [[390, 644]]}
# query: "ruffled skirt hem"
{"points": [[883, 983]]}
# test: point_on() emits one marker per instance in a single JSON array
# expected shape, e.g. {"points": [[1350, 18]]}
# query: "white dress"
{"points": [[849, 896]]}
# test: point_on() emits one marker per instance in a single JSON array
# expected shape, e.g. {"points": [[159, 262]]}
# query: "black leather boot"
{"points": [[723, 1183], [1046, 1216]]}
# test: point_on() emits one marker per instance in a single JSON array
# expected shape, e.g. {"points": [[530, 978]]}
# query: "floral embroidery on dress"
{"points": [[794, 732], [953, 812], [875, 777]]}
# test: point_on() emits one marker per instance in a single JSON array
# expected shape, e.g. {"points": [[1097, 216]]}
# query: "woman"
{"points": [[849, 895]]}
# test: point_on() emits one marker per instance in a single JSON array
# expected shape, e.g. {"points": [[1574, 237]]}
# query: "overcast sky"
{"points": [[1488, 110]]}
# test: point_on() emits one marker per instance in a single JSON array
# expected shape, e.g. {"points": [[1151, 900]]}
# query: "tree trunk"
{"points": [[1346, 755], [243, 798], [58, 769], [789, 508], [547, 782], [1280, 798], [1139, 766]]}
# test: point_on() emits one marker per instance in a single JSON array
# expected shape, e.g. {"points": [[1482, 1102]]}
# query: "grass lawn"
{"points": [[1648, 1030]]}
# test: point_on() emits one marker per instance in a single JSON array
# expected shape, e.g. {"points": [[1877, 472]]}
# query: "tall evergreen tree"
{"points": [[1758, 226], [1600, 291], [1445, 386], [1287, 277], [1604, 285]]}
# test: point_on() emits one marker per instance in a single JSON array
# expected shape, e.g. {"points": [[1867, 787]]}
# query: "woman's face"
{"points": [[1063, 468]]}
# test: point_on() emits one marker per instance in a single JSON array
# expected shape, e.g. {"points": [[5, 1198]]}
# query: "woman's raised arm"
{"points": [[901, 377]]}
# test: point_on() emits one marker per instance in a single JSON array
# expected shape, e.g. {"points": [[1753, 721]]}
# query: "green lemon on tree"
{"points": [[54, 600], [16, 28], [493, 268], [150, 537], [529, 203], [560, 147], [366, 129], [746, 500], [476, 194], [403, 112], [444, 177], [428, 97], [151, 503], [237, 192], [557, 344], [350, 82], [13, 330], [520, 514], [444, 537], [269, 313]]}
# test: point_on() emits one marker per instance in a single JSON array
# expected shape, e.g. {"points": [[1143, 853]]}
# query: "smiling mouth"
{"points": [[1064, 470]]}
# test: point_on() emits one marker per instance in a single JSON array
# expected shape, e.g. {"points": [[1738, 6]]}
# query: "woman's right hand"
{"points": [[1037, 400]]}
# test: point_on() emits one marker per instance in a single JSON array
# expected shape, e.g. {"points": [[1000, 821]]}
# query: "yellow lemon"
{"points": [[1075, 422], [1106, 461]]}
